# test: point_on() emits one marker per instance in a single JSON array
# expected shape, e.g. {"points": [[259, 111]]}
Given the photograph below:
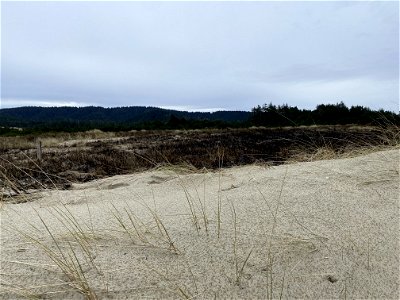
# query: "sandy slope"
{"points": [[326, 229]]}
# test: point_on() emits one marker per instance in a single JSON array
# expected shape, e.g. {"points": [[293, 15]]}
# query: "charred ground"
{"points": [[69, 162]]}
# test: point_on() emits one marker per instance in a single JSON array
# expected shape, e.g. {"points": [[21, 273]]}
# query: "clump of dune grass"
{"points": [[386, 135], [142, 233], [181, 168], [72, 254]]}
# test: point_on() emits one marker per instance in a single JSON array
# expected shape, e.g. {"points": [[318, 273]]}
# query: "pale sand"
{"points": [[336, 234]]}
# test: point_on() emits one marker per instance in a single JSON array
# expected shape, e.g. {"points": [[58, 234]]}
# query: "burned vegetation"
{"points": [[67, 162]]}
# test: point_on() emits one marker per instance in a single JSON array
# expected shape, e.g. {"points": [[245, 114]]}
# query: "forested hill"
{"points": [[28, 116], [43, 119]]}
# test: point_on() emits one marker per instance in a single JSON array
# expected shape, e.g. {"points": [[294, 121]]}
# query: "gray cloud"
{"points": [[231, 55]]}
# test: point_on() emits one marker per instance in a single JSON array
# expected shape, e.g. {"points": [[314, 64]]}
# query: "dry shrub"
{"points": [[323, 153]]}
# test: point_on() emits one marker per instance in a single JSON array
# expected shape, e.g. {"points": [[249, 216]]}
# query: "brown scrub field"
{"points": [[80, 157]]}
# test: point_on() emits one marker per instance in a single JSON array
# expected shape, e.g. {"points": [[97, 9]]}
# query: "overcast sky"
{"points": [[200, 55]]}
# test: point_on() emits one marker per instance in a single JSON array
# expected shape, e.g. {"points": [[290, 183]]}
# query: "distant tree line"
{"points": [[29, 115], [35, 120], [323, 114]]}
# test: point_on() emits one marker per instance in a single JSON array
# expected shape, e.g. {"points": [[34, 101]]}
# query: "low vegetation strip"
{"points": [[82, 157]]}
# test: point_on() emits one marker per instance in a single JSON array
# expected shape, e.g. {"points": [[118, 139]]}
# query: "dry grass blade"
{"points": [[235, 255], [118, 217], [238, 270], [134, 222], [192, 208], [163, 231], [219, 200], [179, 290], [243, 266]]}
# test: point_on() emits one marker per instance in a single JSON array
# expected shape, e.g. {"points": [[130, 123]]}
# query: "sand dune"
{"points": [[320, 230]]}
